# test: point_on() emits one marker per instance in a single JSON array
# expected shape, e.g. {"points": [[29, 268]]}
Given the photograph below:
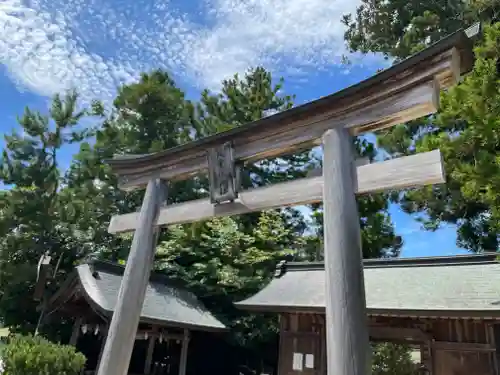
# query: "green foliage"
{"points": [[222, 264], [222, 260], [147, 116], [28, 355], [31, 211], [400, 28], [467, 131], [223, 257], [392, 359], [466, 128]]}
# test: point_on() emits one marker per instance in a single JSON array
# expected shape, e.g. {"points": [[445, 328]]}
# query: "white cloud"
{"points": [[409, 227], [96, 45]]}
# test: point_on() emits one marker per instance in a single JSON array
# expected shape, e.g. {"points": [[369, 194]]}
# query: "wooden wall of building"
{"points": [[302, 344], [448, 346], [463, 347]]}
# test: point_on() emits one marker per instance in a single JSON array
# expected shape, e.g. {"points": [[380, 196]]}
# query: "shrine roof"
{"points": [[461, 286], [165, 303]]}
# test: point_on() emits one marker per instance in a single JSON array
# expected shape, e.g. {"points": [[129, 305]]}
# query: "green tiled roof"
{"points": [[458, 285]]}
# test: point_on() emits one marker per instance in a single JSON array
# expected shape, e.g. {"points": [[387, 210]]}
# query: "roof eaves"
{"points": [[68, 283], [467, 259], [429, 313], [149, 320], [117, 269]]}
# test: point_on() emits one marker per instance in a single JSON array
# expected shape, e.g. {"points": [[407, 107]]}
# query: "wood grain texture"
{"points": [[451, 75], [347, 340], [398, 334], [462, 346], [222, 174], [377, 110], [389, 98], [416, 170], [123, 327], [379, 101]]}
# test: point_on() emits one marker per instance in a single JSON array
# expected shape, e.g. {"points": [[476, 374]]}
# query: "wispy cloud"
{"points": [[96, 45]]}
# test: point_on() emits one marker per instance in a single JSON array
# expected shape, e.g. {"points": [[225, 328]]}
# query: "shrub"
{"points": [[392, 359], [28, 355]]}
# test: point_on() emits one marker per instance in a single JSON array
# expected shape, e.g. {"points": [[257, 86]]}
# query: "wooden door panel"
{"points": [[463, 363]]}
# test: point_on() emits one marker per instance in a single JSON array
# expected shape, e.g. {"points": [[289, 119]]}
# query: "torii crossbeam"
{"points": [[401, 93]]}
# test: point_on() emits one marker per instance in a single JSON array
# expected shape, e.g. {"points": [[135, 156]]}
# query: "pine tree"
{"points": [[31, 209], [466, 128]]}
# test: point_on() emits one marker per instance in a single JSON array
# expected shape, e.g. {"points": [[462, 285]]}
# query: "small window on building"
{"points": [[298, 360], [309, 361]]}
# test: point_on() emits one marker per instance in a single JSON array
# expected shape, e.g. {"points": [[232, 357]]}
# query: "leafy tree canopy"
{"points": [[32, 212], [466, 129], [66, 212]]}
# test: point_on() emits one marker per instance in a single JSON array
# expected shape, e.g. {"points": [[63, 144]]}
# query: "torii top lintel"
{"points": [[403, 92]]}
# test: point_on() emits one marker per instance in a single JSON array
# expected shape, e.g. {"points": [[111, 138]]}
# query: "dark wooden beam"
{"points": [[398, 334], [157, 334], [462, 346], [76, 331]]}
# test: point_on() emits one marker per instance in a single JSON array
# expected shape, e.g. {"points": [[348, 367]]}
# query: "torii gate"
{"points": [[401, 93]]}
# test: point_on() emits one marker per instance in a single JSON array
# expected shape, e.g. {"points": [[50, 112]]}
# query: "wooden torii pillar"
{"points": [[401, 93]]}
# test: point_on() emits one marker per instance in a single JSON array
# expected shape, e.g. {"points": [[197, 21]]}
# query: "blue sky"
{"points": [[47, 46]]}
